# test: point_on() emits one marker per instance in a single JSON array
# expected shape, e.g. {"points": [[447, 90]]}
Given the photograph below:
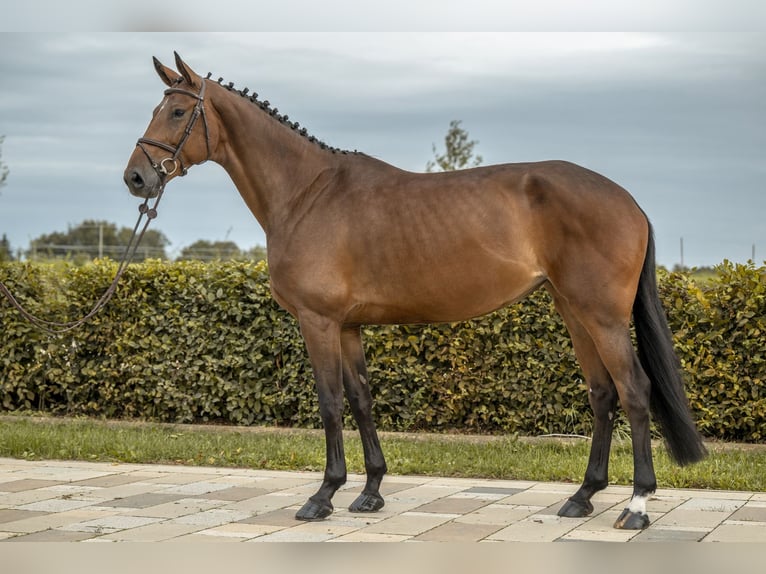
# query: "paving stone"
{"points": [[178, 478], [125, 490], [109, 480], [741, 532], [196, 488], [600, 504], [498, 514], [102, 502], [689, 494], [52, 535], [156, 532], [750, 512], [537, 528], [493, 490], [177, 508], [694, 518], [266, 503], [214, 517], [52, 470], [23, 497], [393, 487], [458, 532], [354, 519], [58, 504], [72, 489], [662, 504], [108, 524], [237, 493], [410, 523], [712, 504], [324, 529], [292, 535], [240, 530], [426, 493], [55, 520], [12, 515], [362, 536], [281, 517], [142, 500], [536, 498], [451, 505], [669, 535], [273, 484], [584, 535], [26, 484]]}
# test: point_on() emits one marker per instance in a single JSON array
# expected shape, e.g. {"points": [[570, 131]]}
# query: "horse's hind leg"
{"points": [[602, 396], [357, 389], [633, 387], [608, 330]]}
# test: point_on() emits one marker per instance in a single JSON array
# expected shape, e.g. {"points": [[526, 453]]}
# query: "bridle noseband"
{"points": [[199, 111]]}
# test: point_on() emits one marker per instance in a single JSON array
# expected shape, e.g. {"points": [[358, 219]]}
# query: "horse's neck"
{"points": [[270, 164]]}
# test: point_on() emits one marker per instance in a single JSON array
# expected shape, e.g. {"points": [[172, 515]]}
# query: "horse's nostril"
{"points": [[136, 180]]}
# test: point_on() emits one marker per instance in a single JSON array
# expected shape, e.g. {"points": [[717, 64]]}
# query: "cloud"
{"points": [[676, 118]]}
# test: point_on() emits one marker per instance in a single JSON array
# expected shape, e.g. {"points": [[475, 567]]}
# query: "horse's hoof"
{"points": [[575, 509], [629, 520], [367, 503], [313, 510]]}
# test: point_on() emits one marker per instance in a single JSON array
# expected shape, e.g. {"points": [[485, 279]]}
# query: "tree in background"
{"points": [[205, 250], [5, 246], [3, 166], [91, 239], [458, 152], [5, 249]]}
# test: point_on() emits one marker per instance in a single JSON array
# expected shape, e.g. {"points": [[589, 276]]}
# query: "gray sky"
{"points": [[676, 118]]}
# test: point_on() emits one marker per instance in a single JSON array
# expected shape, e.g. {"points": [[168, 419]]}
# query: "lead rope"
{"points": [[58, 328]]}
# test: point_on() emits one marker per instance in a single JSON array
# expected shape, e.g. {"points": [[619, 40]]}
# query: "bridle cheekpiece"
{"points": [[161, 167]]}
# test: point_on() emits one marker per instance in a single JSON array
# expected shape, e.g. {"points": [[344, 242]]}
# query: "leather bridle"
{"points": [[161, 167]]}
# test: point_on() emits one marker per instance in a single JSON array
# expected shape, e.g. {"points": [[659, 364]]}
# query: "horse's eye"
{"points": [[178, 113]]}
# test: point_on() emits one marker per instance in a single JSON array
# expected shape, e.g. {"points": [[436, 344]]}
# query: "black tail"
{"points": [[669, 404]]}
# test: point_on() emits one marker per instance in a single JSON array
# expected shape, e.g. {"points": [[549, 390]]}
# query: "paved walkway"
{"points": [[82, 501]]}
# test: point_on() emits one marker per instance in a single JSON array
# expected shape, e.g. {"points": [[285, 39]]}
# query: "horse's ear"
{"points": [[191, 78], [167, 75]]}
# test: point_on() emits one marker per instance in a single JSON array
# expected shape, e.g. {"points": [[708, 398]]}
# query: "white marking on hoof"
{"points": [[638, 504]]}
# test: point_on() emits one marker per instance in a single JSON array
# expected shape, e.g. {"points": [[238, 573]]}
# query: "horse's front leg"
{"points": [[358, 393], [322, 338]]}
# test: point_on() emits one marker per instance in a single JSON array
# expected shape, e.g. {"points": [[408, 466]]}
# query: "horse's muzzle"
{"points": [[141, 183]]}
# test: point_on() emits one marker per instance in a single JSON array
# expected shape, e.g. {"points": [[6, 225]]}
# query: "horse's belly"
{"points": [[430, 296]]}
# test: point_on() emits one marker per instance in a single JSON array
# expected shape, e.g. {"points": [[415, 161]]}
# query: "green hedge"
{"points": [[190, 342]]}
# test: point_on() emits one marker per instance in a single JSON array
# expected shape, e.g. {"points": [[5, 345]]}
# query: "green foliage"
{"points": [[192, 341], [720, 335], [458, 151]]}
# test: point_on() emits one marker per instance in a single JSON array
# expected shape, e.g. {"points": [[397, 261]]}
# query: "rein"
{"points": [[58, 328]]}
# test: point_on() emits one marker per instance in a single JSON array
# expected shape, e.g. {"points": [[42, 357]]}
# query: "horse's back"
{"points": [[398, 247]]}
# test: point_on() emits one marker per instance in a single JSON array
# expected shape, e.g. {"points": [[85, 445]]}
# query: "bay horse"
{"points": [[352, 241]]}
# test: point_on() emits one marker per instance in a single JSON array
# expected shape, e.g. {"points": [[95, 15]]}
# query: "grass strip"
{"points": [[729, 467]]}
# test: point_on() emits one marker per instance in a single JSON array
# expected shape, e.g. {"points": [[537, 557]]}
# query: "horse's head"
{"points": [[178, 135]]}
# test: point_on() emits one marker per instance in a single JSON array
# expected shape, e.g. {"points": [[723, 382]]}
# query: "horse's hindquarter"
{"points": [[424, 247]]}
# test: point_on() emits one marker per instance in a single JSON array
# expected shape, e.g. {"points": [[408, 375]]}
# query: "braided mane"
{"points": [[274, 113]]}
